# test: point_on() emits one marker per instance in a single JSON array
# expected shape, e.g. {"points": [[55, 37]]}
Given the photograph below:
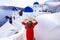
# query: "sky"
{"points": [[20, 3]]}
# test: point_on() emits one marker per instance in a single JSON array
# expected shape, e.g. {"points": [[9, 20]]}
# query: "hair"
{"points": [[29, 24]]}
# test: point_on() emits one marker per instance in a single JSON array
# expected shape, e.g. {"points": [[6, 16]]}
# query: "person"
{"points": [[29, 25], [21, 12], [10, 19]]}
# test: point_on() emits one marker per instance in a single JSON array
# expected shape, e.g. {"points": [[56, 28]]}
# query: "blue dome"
{"points": [[36, 3], [14, 9], [28, 9]]}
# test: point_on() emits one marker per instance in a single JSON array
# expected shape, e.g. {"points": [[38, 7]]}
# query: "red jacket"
{"points": [[29, 31]]}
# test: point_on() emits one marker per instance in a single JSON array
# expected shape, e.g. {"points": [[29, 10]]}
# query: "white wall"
{"points": [[54, 0], [20, 3]]}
